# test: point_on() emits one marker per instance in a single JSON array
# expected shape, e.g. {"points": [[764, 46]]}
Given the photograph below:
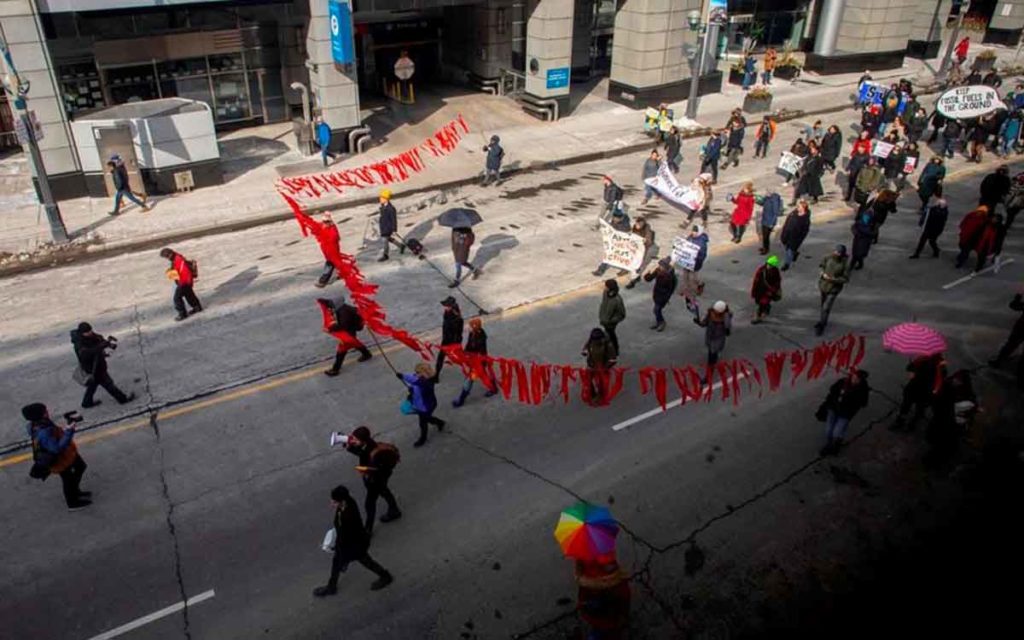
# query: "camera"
{"points": [[73, 417], [337, 437], [112, 342]]}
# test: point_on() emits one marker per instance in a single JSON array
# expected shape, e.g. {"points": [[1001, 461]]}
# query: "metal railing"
{"points": [[511, 82]]}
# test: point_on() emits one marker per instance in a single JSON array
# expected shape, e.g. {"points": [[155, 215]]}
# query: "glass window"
{"points": [[131, 84], [105, 23], [230, 62], [231, 95], [149, 22], [213, 18], [191, 88], [181, 68]]}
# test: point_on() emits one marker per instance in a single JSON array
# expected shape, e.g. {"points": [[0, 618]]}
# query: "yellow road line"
{"points": [[543, 303]]}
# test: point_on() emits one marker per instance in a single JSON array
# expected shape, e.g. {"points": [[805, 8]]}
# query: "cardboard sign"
{"points": [[652, 113], [684, 253], [871, 93], [790, 163], [622, 250], [665, 183], [881, 149], [909, 164], [969, 102]]}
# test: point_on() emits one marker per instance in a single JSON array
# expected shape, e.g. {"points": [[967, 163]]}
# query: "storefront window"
{"points": [[191, 88], [231, 97], [131, 84], [80, 86]]}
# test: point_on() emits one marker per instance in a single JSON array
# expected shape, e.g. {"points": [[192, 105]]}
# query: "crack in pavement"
{"points": [[164, 488]]}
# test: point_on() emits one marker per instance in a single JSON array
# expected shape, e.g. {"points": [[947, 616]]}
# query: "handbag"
{"points": [[406, 407], [330, 538], [80, 376], [41, 462]]}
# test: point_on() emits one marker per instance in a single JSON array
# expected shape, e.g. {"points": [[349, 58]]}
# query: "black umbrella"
{"points": [[460, 217]]}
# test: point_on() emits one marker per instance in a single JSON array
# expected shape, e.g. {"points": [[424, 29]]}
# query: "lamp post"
{"points": [[944, 67], [694, 22]]}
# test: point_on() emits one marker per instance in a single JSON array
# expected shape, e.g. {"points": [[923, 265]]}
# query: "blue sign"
{"points": [[341, 32], [558, 78], [871, 93]]}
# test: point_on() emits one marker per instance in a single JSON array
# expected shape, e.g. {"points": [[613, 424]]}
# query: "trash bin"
{"points": [[303, 136]]}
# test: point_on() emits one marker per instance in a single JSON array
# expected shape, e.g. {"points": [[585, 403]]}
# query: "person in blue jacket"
{"points": [[492, 165], [771, 209], [323, 139], [422, 397], [712, 154]]}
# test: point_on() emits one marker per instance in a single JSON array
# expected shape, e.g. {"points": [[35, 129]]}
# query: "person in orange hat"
{"points": [[388, 225]]}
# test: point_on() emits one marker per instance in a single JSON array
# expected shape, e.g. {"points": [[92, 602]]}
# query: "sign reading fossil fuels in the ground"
{"points": [[969, 102]]}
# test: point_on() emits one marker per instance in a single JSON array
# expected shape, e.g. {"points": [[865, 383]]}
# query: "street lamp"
{"points": [[695, 24]]}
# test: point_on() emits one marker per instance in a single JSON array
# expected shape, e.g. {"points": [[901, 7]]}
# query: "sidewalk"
{"points": [[255, 158]]}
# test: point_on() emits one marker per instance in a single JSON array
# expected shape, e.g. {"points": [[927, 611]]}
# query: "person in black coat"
{"points": [[476, 345], [351, 544], [857, 162], [612, 196], [377, 461], [932, 223], [794, 232], [347, 319], [91, 351], [388, 225], [809, 183], [864, 233], [994, 187], [938, 121], [665, 283], [845, 399], [734, 145], [881, 206], [831, 147], [451, 330]]}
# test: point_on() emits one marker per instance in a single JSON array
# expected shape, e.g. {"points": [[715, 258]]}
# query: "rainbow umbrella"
{"points": [[586, 531]]}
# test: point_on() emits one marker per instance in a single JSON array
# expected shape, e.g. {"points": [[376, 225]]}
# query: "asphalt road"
{"points": [[227, 490]]}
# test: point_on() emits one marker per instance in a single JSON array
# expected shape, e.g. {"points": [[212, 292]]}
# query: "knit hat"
{"points": [[34, 412], [720, 306], [841, 249], [363, 433], [449, 302], [665, 262], [611, 284], [385, 194], [772, 261], [84, 327], [596, 334], [339, 493]]}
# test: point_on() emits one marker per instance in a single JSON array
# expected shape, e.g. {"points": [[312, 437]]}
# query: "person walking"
{"points": [[377, 461], [476, 347], [701, 185], [351, 544], [665, 283], [978, 137], [691, 285], [330, 244], [917, 124], [122, 188], [858, 161], [994, 188], [864, 233], [612, 197], [845, 399], [1014, 200], [91, 351], [54, 452], [794, 232], [834, 274], [932, 222], [387, 223], [766, 288], [925, 379], [612, 311], [950, 136], [892, 165], [831, 147], [800, 150], [763, 136], [492, 165], [976, 234], [771, 57], [1009, 133], [930, 180], [323, 140], [422, 399], [643, 229], [742, 212], [881, 206], [749, 71], [712, 155], [938, 121], [717, 325], [869, 180], [183, 274], [1013, 341], [620, 222], [462, 241], [961, 50], [771, 208], [348, 321], [601, 356], [814, 133], [809, 183], [650, 170], [734, 145], [673, 149], [452, 327]]}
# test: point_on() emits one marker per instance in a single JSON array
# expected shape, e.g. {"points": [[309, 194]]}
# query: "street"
{"points": [[217, 478]]}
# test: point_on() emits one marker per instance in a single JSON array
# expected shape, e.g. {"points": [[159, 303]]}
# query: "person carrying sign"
{"points": [[809, 183], [692, 286], [620, 222], [643, 229]]}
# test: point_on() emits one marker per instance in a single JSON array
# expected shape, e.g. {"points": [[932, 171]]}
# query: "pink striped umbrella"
{"points": [[913, 339]]}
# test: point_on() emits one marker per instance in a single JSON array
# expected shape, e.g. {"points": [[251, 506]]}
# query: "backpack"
{"points": [[385, 456], [41, 461], [193, 266]]}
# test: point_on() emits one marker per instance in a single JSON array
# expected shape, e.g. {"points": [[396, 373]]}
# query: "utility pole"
{"points": [[693, 101], [18, 90], [944, 67]]}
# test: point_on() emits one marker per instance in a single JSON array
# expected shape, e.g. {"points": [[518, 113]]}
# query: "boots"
{"points": [[381, 582], [461, 400], [364, 355]]}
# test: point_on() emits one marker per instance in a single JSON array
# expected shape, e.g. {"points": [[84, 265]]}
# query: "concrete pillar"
{"points": [[1006, 24], [25, 40], [490, 39], [828, 27], [929, 28], [649, 65], [873, 34], [335, 93], [549, 49]]}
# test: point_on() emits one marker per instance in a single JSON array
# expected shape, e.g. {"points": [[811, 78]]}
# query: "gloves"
{"points": [[399, 376]]}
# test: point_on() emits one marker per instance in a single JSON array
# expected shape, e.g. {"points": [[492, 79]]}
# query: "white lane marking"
{"points": [[972, 275], [625, 424], [156, 615]]}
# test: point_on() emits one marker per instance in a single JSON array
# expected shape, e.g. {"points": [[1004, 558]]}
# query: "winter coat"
{"points": [[91, 352], [650, 169], [861, 145], [837, 268], [869, 179], [323, 135], [329, 240], [795, 230], [619, 222], [388, 221], [917, 124], [930, 178], [351, 539], [847, 399], [994, 187], [451, 327], [771, 208], [767, 284], [717, 327], [810, 177], [857, 163], [799, 149], [933, 222], [476, 342], [612, 193], [952, 131], [665, 282], [120, 177], [422, 389], [600, 353], [766, 133], [893, 164], [736, 137], [48, 437], [713, 149], [462, 240], [744, 209], [1010, 130], [673, 145], [347, 319], [938, 120], [864, 232], [495, 154], [702, 254], [645, 232], [881, 210], [831, 146], [977, 232], [612, 310]]}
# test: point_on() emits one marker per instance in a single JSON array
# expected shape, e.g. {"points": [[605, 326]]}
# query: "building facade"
{"points": [[241, 57]]}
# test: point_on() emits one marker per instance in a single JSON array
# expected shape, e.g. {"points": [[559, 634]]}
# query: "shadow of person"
{"points": [[491, 246], [236, 283]]}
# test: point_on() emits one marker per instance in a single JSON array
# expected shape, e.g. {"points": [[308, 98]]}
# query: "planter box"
{"points": [[786, 73], [984, 64], [735, 77], [757, 105]]}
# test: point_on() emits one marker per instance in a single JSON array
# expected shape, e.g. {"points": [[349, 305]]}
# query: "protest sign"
{"points": [[969, 102], [622, 250], [881, 149], [671, 191], [909, 164], [790, 163], [684, 253], [870, 93]]}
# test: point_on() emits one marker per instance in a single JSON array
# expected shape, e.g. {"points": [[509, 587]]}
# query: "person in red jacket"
{"points": [[329, 239], [961, 50], [743, 211], [977, 233], [862, 144], [184, 277]]}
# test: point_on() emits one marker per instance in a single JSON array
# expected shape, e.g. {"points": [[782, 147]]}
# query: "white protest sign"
{"points": [[969, 102], [622, 249], [790, 162], [881, 149], [668, 187], [684, 253], [909, 164]]}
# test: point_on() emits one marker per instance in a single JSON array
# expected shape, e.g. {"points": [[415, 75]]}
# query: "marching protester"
{"points": [[994, 188], [770, 59], [717, 323], [1013, 341], [1015, 199], [643, 229], [673, 149], [869, 180], [620, 222], [323, 140], [712, 153], [858, 160], [771, 209], [938, 122], [916, 124], [183, 273], [377, 461], [961, 50], [54, 452], [388, 225], [91, 351], [1009, 133], [800, 150], [932, 222], [794, 232], [831, 147], [451, 330], [422, 400], [691, 286], [462, 241], [612, 196], [977, 234], [930, 180], [763, 136], [834, 274], [892, 165], [911, 158], [665, 282], [650, 170], [766, 288], [992, 79], [122, 188], [742, 212], [348, 321], [845, 399], [809, 183], [330, 244], [476, 345], [950, 136], [612, 311], [926, 376], [601, 356], [702, 186], [864, 234], [734, 145], [492, 164], [883, 204], [978, 136], [351, 544]]}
